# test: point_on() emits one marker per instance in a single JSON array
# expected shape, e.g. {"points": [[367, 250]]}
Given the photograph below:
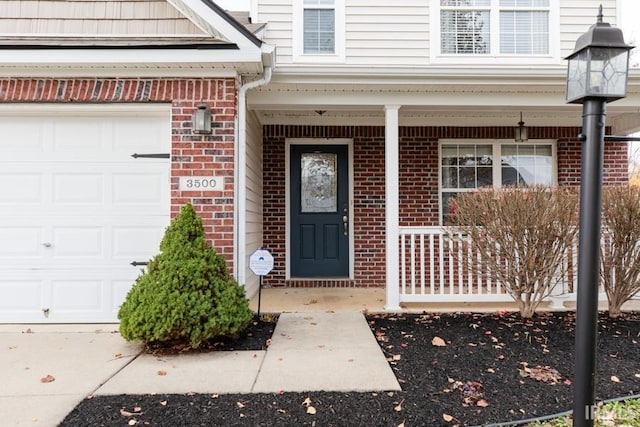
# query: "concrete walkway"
{"points": [[47, 370]]}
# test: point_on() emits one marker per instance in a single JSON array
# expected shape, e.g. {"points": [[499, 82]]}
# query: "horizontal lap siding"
{"points": [[576, 16], [205, 155], [419, 203]]}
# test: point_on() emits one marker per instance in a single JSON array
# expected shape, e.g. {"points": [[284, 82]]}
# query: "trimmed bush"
{"points": [[521, 237], [186, 295], [620, 248]]}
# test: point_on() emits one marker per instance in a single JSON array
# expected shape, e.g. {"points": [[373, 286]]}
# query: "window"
{"points": [[469, 166], [319, 26], [318, 31], [494, 27]]}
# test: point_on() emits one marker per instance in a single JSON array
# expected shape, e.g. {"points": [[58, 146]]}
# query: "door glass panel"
{"points": [[319, 182]]}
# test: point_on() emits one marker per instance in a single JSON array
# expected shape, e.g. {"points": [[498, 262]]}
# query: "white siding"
{"points": [[396, 33], [254, 196], [576, 16]]}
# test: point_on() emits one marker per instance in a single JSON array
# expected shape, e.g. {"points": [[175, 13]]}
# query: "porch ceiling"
{"points": [[433, 105]]}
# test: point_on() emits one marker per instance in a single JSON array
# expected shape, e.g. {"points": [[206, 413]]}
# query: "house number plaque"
{"points": [[201, 183]]}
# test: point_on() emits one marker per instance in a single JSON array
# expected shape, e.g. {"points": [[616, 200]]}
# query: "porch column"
{"points": [[392, 201]]}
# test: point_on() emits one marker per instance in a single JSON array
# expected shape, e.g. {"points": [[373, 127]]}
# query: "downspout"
{"points": [[240, 264]]}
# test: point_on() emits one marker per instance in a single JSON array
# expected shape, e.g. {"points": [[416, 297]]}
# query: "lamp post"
{"points": [[597, 74]]}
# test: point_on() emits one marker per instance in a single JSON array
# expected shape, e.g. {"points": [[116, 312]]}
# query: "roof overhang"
{"points": [[433, 97]]}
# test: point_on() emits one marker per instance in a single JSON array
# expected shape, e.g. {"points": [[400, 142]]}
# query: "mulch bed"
{"points": [[459, 369]]}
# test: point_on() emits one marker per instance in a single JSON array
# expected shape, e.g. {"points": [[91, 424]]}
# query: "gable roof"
{"points": [[197, 36]]}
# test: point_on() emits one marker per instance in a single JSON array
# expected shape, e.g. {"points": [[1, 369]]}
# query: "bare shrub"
{"points": [[522, 237], [620, 248]]}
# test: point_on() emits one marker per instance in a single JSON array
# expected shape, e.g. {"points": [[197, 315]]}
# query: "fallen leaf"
{"points": [[615, 379], [401, 424], [126, 413], [215, 396], [438, 342], [132, 422], [491, 370], [47, 379], [240, 405], [162, 373], [163, 402], [448, 418], [396, 357], [482, 403], [311, 410], [137, 409], [307, 402], [637, 375], [398, 407]]}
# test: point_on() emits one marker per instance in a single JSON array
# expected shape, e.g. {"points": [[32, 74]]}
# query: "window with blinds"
{"points": [[494, 27], [319, 22]]}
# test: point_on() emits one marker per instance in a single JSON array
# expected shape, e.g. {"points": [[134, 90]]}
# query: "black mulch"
{"points": [[461, 369]]}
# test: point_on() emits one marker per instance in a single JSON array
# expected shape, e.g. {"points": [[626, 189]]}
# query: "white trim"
{"points": [[298, 36], [240, 199], [392, 205], [496, 170], [317, 141], [553, 57]]}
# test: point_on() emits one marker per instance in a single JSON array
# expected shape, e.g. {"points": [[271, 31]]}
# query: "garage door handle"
{"points": [[137, 263], [46, 244]]}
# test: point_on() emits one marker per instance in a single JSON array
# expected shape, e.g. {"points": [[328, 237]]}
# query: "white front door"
{"points": [[76, 208]]}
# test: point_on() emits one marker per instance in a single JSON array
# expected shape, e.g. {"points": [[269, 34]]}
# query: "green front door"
{"points": [[319, 211]]}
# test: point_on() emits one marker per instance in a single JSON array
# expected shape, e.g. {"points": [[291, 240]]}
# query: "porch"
{"points": [[372, 300]]}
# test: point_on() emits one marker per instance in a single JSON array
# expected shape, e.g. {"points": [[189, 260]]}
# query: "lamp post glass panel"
{"points": [[597, 74]]}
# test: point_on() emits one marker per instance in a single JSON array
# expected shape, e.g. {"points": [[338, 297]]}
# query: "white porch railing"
{"points": [[434, 267]]}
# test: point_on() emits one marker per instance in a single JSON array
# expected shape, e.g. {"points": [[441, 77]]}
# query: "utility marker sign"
{"points": [[261, 262]]}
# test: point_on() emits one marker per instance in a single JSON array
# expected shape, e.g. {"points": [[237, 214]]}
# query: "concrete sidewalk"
{"points": [[309, 352]]}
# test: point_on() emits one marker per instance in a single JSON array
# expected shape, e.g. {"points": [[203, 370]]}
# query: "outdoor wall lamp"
{"points": [[201, 120], [597, 74], [520, 133]]}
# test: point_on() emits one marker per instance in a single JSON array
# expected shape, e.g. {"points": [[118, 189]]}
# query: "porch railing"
{"points": [[434, 267]]}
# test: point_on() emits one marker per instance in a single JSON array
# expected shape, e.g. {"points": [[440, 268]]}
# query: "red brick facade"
{"points": [[190, 154], [419, 203]]}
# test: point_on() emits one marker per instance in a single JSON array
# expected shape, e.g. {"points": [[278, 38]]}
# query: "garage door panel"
{"points": [[136, 243], [84, 295], [20, 295], [78, 188], [21, 136], [21, 242], [20, 188], [78, 243], [78, 135], [140, 189]]}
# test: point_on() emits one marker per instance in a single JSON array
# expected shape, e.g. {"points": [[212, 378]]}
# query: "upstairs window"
{"points": [[318, 31], [494, 27], [319, 26]]}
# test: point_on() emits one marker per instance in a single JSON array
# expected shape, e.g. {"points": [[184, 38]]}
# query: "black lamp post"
{"points": [[597, 74]]}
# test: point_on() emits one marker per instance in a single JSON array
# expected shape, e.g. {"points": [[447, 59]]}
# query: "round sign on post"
{"points": [[261, 262]]}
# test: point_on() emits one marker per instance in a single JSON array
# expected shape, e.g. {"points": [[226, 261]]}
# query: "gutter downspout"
{"points": [[240, 264]]}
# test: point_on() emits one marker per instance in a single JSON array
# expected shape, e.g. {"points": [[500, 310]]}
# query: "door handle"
{"points": [[345, 225]]}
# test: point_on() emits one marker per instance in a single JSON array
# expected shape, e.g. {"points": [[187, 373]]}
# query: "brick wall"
{"points": [[418, 184], [191, 154]]}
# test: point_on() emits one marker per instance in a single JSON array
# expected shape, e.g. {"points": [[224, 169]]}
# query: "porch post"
{"points": [[392, 217]]}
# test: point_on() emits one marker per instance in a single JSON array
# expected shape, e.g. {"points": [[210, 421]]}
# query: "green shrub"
{"points": [[186, 295]]}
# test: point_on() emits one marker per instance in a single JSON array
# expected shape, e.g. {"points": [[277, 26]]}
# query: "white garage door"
{"points": [[76, 208]]}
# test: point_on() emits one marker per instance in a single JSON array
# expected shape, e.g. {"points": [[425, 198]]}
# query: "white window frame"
{"points": [[298, 36], [496, 166], [494, 57]]}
